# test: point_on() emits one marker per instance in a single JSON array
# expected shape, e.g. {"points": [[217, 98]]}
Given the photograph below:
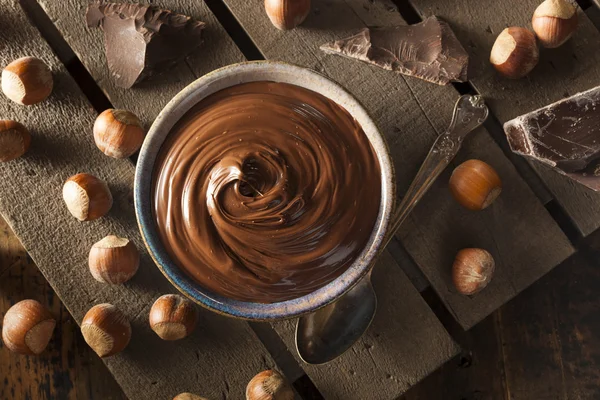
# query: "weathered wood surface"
{"points": [[150, 96], [437, 348], [411, 113], [220, 357], [405, 343], [560, 73], [544, 344], [68, 369]]}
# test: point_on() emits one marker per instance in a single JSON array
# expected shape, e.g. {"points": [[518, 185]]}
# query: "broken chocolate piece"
{"points": [[564, 135], [142, 40], [428, 50]]}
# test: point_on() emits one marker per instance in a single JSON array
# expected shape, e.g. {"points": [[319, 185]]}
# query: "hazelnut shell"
{"points": [[269, 385], [27, 81], [472, 270], [515, 52], [287, 14], [106, 330], [475, 184], [554, 22], [27, 327], [188, 396], [173, 317], [118, 133], [87, 197], [113, 260], [14, 140]]}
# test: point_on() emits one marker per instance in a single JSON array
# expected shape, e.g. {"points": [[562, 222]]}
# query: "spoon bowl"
{"points": [[336, 327]]}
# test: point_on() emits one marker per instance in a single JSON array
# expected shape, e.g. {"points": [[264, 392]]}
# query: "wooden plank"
{"points": [[428, 326], [149, 97], [411, 113], [221, 356], [405, 343], [560, 73], [68, 369]]}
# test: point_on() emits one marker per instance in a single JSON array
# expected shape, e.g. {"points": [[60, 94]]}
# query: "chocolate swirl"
{"points": [[266, 192]]}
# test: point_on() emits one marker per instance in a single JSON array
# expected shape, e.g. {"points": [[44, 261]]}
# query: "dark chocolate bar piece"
{"points": [[564, 135], [142, 40], [428, 50]]}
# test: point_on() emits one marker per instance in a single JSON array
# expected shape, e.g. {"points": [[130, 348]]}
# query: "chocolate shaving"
{"points": [[428, 50], [142, 40], [564, 135]]}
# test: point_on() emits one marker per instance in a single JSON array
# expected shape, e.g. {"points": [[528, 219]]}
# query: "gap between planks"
{"points": [[92, 91], [494, 127]]}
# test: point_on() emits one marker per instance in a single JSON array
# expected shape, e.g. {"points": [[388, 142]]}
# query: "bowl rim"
{"points": [[143, 189]]}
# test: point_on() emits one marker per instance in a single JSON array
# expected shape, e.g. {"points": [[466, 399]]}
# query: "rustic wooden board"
{"points": [[560, 73], [221, 356], [68, 369], [149, 97], [432, 355], [411, 113], [405, 343], [544, 344]]}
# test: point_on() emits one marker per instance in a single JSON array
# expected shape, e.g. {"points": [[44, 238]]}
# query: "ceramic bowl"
{"points": [[184, 101]]}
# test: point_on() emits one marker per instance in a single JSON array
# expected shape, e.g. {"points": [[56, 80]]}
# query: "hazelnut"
{"points": [[472, 270], [188, 396], [554, 21], [27, 327], [475, 184], [27, 81], [515, 52], [106, 330], [287, 14], [269, 385], [118, 133], [114, 260], [14, 140], [87, 197], [173, 317]]}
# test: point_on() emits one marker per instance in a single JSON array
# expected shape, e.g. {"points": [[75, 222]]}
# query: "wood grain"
{"points": [[150, 96], [411, 113], [68, 369], [30, 200], [560, 73], [544, 344], [437, 346]]}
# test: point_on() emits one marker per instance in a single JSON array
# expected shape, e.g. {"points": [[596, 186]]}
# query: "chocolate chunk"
{"points": [[564, 135], [142, 40], [428, 50]]}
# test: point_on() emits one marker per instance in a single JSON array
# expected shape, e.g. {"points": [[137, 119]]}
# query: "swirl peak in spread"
{"points": [[266, 191]]}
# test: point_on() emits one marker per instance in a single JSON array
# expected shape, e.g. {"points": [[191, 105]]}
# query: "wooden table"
{"points": [[538, 221]]}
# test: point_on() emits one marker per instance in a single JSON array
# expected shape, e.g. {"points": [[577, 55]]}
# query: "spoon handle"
{"points": [[469, 113]]}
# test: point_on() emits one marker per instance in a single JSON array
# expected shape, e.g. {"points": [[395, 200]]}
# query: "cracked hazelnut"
{"points": [[87, 197], [554, 22], [472, 270], [106, 330], [287, 14], [118, 133], [515, 52], [269, 385], [173, 317], [27, 327], [14, 140], [114, 260], [475, 184], [27, 81]]}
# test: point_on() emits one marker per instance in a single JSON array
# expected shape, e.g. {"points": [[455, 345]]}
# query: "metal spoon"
{"points": [[328, 332]]}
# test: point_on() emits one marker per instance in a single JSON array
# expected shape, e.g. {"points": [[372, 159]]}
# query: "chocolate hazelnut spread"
{"points": [[266, 192]]}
